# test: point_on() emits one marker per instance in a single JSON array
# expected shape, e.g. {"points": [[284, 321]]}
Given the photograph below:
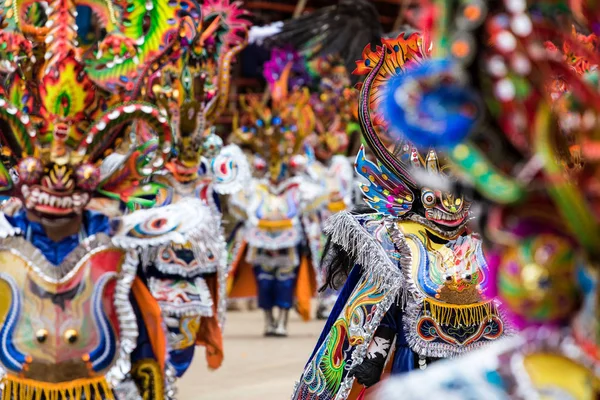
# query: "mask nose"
{"points": [[451, 203]]}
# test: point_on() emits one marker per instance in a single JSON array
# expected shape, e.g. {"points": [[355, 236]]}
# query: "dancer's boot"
{"points": [[270, 325], [282, 321]]}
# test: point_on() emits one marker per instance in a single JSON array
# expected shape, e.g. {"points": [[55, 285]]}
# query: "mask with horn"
{"points": [[332, 107], [399, 179], [195, 87], [57, 122], [277, 133]]}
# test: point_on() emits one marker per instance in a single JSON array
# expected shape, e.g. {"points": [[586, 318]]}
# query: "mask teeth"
{"points": [[443, 216]]}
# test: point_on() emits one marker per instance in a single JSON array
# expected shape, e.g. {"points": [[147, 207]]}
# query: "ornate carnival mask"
{"points": [[62, 129], [195, 87], [394, 187]]}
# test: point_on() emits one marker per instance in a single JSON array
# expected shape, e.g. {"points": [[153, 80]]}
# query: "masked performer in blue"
{"points": [[416, 272]]}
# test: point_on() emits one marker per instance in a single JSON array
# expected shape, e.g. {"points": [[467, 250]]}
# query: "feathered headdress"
{"points": [[389, 60]]}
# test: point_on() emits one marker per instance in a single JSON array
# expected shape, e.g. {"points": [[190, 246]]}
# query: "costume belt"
{"points": [[275, 225]]}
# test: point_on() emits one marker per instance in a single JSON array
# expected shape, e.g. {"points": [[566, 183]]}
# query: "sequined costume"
{"points": [[416, 272], [189, 285], [541, 214], [275, 207], [78, 320]]}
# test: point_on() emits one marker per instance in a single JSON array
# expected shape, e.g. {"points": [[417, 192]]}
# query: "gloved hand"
{"points": [[369, 371]]}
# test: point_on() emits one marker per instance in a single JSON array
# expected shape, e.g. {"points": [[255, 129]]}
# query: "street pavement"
{"points": [[255, 367]]}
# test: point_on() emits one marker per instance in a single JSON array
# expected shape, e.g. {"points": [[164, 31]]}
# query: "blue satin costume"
{"points": [[276, 286], [56, 252], [404, 357]]}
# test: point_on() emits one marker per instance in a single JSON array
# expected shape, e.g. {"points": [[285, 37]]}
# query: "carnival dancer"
{"points": [[272, 240], [332, 104], [416, 273], [78, 320], [189, 285], [541, 215]]}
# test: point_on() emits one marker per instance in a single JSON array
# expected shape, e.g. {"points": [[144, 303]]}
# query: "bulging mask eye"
{"points": [[298, 162], [259, 164], [87, 176], [428, 198], [30, 170]]}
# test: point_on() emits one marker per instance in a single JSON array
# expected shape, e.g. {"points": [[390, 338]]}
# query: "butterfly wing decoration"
{"points": [[385, 192]]}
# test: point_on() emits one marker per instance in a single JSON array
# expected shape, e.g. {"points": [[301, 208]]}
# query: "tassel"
{"points": [[28, 389], [459, 315]]}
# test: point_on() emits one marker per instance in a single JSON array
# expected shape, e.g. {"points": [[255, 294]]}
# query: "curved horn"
{"points": [[224, 80], [20, 136], [280, 89], [366, 123], [306, 120], [100, 136], [202, 119]]}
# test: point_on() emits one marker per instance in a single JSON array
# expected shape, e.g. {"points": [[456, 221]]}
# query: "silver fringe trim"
{"points": [[170, 381], [391, 283], [345, 231], [223, 269], [128, 326], [378, 269], [68, 268]]}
